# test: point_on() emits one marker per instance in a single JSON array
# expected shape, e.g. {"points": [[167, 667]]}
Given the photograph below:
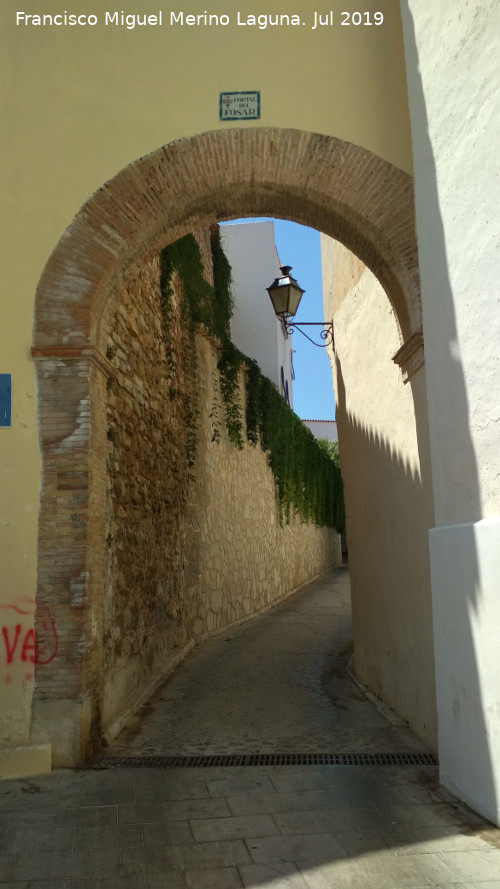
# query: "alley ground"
{"points": [[273, 686]]}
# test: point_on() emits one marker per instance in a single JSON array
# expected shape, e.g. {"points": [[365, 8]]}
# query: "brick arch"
{"points": [[323, 182], [326, 183]]}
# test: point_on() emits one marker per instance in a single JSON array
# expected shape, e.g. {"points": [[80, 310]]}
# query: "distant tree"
{"points": [[331, 448]]}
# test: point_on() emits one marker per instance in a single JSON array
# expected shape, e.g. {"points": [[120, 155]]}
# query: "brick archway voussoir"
{"points": [[320, 181]]}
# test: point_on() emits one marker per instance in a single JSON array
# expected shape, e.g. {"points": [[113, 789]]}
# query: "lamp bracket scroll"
{"points": [[326, 334]]}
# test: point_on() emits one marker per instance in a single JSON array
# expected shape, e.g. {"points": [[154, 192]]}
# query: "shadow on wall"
{"points": [[388, 512], [412, 646], [459, 599]]}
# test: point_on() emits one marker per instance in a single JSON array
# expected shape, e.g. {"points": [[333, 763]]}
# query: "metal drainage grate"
{"points": [[263, 759]]}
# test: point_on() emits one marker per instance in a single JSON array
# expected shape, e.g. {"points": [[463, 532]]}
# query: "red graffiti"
{"points": [[28, 648], [10, 647], [16, 608], [20, 643]]}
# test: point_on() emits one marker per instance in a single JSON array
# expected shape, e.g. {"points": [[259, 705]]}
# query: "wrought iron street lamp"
{"points": [[285, 296]]}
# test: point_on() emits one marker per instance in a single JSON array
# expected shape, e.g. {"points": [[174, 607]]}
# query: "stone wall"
{"points": [[190, 549], [144, 613], [246, 559]]}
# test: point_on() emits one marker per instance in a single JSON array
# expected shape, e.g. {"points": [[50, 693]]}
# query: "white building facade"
{"points": [[255, 330], [453, 89], [325, 429]]}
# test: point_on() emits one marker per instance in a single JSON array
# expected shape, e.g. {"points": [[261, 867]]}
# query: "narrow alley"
{"points": [[274, 685]]}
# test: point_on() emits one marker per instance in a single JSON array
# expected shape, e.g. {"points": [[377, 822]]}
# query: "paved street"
{"points": [[256, 689], [276, 683]]}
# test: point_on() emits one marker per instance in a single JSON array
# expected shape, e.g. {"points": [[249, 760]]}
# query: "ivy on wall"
{"points": [[305, 476], [307, 479], [202, 303]]}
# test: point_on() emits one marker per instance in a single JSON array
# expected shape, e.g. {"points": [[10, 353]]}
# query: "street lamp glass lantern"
{"points": [[285, 294]]}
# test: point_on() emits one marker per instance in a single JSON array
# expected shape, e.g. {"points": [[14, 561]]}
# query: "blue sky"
{"points": [[298, 246]]}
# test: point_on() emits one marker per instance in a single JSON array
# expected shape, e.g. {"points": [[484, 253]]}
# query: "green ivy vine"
{"points": [[307, 479], [229, 364]]}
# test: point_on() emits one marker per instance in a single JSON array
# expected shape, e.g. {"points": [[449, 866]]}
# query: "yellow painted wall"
{"points": [[80, 103], [383, 450]]}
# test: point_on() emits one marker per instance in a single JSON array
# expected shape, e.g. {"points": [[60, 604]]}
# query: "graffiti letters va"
{"points": [[20, 645]]}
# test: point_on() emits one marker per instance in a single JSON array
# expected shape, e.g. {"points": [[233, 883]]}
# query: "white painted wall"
{"points": [[452, 51], [465, 562], [326, 429], [255, 330]]}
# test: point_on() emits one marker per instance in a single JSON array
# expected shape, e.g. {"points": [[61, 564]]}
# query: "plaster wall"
{"points": [[465, 560], [79, 104], [455, 127], [387, 494], [452, 60]]}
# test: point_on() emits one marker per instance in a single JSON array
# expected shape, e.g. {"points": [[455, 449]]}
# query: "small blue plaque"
{"points": [[5, 399], [239, 106]]}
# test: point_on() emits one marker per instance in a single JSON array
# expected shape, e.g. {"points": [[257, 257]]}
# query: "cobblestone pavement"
{"points": [[276, 683], [265, 827]]}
